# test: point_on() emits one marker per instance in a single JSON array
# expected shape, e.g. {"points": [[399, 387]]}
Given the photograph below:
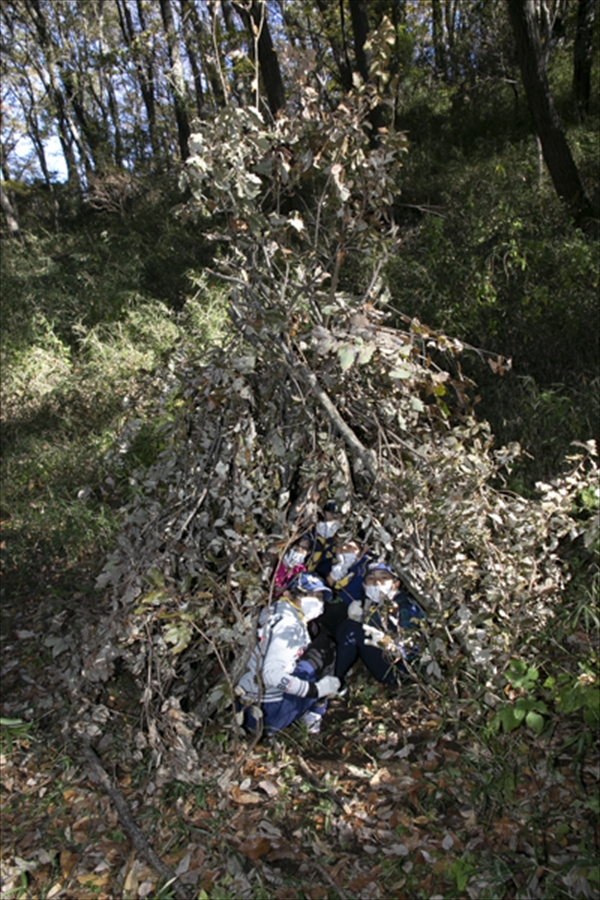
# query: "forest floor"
{"points": [[396, 798]]}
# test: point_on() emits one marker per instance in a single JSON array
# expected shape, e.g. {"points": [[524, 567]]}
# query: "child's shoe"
{"points": [[312, 720]]}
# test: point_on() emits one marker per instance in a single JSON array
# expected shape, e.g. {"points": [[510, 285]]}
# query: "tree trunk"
{"points": [[339, 51], [439, 48], [267, 58], [69, 133], [255, 20], [188, 34], [582, 55], [144, 72], [178, 85], [10, 214], [203, 41], [557, 154], [360, 28]]}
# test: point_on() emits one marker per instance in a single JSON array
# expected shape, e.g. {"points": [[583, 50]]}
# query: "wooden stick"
{"points": [[140, 843]]}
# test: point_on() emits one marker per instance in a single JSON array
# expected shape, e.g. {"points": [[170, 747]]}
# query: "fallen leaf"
{"points": [[448, 842], [67, 862], [244, 797], [95, 880], [255, 847], [399, 817], [269, 788]]}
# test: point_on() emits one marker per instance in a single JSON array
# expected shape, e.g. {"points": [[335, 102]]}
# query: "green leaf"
{"points": [[156, 596], [507, 717], [365, 353], [535, 721], [521, 675], [401, 372], [347, 355], [179, 634]]}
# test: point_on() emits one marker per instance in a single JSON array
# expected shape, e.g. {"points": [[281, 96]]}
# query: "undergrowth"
{"points": [[69, 396]]}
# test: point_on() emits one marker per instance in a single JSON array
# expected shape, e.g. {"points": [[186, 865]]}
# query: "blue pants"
{"points": [[350, 638], [281, 713], [318, 660]]}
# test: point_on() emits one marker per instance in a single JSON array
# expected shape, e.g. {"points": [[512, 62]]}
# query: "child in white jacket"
{"points": [[288, 674]]}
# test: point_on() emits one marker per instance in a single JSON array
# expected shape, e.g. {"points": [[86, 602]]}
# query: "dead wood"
{"points": [[99, 774]]}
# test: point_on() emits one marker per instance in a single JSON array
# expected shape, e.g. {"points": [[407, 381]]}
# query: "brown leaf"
{"points": [[399, 817], [244, 797], [316, 892], [269, 788], [95, 880], [67, 862], [255, 847]]}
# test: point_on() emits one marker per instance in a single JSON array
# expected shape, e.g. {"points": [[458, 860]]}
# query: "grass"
{"points": [[65, 463]]}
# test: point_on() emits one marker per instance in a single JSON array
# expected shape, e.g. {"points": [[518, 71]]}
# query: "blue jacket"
{"points": [[398, 617], [350, 587]]}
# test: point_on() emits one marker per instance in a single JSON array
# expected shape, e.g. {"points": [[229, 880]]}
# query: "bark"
{"points": [[582, 55], [557, 155], [178, 85]]}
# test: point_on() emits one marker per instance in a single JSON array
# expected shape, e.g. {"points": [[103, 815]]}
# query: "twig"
{"points": [[367, 456], [316, 783], [140, 843], [323, 871], [226, 674]]}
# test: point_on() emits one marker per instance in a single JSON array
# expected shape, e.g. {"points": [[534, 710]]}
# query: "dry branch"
{"points": [[99, 774]]}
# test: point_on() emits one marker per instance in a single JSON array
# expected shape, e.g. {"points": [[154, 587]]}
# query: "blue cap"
{"points": [[380, 567], [307, 583]]}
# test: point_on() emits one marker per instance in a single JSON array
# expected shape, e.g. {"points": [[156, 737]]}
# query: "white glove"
{"points": [[355, 611], [327, 686], [375, 636]]}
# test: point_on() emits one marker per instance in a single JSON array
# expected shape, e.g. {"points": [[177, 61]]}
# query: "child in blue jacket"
{"points": [[378, 628]]}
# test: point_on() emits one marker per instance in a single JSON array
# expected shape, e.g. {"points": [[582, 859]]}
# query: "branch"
{"points": [[140, 843], [367, 457], [317, 784]]}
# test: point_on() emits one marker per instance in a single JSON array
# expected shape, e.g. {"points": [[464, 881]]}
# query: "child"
{"points": [[289, 675]]}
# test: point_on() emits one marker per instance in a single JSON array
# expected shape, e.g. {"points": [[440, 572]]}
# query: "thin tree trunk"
{"points": [[582, 55], [188, 34], [10, 214], [67, 126], [439, 49], [203, 42], [360, 28], [557, 154], [255, 20], [339, 51], [144, 72], [178, 85]]}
